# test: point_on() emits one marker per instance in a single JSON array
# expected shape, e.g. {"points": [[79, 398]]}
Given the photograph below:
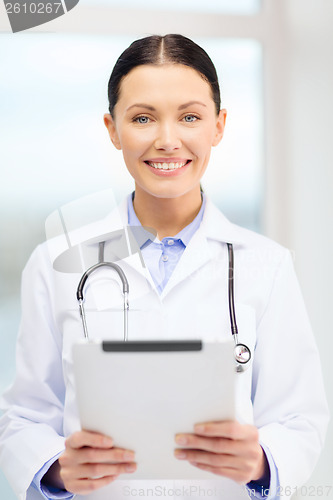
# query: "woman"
{"points": [[165, 116]]}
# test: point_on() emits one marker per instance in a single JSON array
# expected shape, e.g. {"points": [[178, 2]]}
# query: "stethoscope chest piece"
{"points": [[242, 356]]}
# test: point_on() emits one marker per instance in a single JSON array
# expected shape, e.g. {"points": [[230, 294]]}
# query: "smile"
{"points": [[167, 166]]}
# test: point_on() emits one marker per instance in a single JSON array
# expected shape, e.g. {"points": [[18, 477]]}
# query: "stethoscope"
{"points": [[241, 352]]}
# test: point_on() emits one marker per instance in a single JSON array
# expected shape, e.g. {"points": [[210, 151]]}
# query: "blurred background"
{"points": [[273, 171]]}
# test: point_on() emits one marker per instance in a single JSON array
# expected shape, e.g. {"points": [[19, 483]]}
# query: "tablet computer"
{"points": [[142, 393]]}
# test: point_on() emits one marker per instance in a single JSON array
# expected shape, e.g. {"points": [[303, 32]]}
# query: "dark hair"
{"points": [[160, 50]]}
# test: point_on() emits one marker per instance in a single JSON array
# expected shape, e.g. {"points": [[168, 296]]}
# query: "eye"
{"points": [[141, 119], [191, 118]]}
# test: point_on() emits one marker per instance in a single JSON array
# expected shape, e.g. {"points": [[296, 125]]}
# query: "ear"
{"points": [[220, 124], [111, 126]]}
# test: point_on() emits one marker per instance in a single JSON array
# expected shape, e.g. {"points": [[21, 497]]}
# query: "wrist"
{"points": [[53, 478], [263, 471]]}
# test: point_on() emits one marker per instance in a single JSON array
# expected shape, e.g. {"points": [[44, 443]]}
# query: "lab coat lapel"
{"points": [[136, 263], [214, 227], [135, 259], [195, 255]]}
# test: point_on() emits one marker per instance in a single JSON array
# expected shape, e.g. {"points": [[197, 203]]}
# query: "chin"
{"points": [[170, 193]]}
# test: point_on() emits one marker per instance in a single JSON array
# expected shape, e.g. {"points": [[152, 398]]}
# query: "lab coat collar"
{"points": [[216, 226], [83, 252]]}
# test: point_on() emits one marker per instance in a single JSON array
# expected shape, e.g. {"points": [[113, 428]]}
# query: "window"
{"points": [[55, 115]]}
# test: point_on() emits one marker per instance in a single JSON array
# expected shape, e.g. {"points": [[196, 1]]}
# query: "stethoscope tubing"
{"points": [[242, 353], [233, 324], [80, 296]]}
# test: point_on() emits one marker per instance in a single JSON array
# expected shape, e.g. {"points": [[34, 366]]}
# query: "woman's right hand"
{"points": [[90, 461]]}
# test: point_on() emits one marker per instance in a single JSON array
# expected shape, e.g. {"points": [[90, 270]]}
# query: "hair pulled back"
{"points": [[159, 50]]}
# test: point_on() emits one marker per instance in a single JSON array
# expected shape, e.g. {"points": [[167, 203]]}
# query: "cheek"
{"points": [[135, 143], [200, 144]]}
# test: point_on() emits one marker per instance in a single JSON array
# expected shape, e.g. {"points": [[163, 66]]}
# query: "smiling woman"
{"points": [[165, 117], [165, 122], [164, 103]]}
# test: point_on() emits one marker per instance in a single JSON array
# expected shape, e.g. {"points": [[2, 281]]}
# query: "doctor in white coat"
{"points": [[165, 116]]}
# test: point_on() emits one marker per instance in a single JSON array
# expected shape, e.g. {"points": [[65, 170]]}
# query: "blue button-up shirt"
{"points": [[161, 257]]}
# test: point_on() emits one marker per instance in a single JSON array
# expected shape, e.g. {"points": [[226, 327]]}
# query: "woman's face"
{"points": [[165, 124]]}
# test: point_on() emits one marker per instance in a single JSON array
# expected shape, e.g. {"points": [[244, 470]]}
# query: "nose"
{"points": [[167, 137]]}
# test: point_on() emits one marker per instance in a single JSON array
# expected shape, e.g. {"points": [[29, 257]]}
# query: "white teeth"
{"points": [[167, 166]]}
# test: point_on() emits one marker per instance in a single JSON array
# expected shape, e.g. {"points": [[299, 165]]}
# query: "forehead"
{"points": [[165, 83]]}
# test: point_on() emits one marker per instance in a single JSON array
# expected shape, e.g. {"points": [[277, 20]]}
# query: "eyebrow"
{"points": [[151, 108]]}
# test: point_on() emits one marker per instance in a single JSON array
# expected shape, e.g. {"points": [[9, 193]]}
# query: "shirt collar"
{"points": [[214, 224], [184, 235]]}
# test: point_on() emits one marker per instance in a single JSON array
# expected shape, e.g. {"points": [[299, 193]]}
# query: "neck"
{"points": [[167, 216]]}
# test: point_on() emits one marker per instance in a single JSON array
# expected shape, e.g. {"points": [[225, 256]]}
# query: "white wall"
{"points": [[311, 179], [300, 188]]}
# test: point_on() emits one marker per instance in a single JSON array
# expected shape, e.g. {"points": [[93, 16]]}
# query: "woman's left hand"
{"points": [[225, 448]]}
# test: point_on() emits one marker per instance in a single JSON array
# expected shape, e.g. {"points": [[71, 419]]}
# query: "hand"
{"points": [[90, 462], [225, 448]]}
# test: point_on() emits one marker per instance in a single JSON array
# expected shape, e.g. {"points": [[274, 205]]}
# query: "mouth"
{"points": [[167, 165]]}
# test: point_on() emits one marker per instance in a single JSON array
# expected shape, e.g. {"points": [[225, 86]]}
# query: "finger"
{"points": [[234, 474], [227, 429], [96, 455], [84, 486], [97, 471], [88, 438], [212, 444], [206, 458], [88, 455]]}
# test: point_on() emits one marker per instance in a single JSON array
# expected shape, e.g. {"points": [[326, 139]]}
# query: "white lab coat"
{"points": [[281, 393]]}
